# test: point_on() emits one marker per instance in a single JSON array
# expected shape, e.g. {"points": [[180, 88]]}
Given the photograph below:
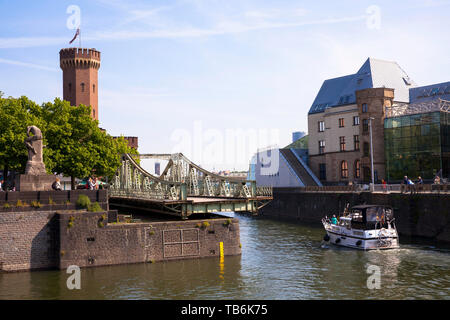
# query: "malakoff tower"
{"points": [[80, 77]]}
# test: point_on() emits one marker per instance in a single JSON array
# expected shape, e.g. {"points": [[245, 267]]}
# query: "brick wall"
{"points": [[28, 240]]}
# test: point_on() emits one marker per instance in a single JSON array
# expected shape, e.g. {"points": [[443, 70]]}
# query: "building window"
{"points": [[364, 108], [344, 169], [355, 120], [82, 87], [321, 146], [366, 125], [342, 143], [366, 149], [357, 169], [322, 171], [341, 122], [93, 88], [356, 142], [321, 126]]}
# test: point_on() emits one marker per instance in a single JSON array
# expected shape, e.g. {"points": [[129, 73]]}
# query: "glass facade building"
{"points": [[417, 145]]}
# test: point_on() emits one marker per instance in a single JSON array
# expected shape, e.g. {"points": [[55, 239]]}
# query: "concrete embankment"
{"points": [[422, 215]]}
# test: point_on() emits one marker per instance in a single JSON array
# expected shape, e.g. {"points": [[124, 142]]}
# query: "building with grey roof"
{"points": [[338, 120]]}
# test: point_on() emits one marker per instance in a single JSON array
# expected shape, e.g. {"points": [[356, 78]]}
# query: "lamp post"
{"points": [[371, 153]]}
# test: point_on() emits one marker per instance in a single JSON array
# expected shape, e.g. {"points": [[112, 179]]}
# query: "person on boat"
{"points": [[334, 219]]}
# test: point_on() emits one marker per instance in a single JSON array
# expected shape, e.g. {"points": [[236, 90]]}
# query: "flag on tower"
{"points": [[76, 35]]}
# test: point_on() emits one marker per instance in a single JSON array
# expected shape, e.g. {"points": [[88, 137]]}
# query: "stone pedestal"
{"points": [[42, 182]]}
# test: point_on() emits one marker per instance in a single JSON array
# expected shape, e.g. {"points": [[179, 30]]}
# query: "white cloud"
{"points": [[28, 65]]}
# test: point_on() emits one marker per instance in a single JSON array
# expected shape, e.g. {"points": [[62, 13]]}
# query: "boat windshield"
{"points": [[375, 214]]}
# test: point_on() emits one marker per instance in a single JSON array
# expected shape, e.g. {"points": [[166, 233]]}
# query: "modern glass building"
{"points": [[417, 141]]}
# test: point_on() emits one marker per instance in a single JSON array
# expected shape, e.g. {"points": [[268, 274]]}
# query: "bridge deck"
{"points": [[192, 205]]}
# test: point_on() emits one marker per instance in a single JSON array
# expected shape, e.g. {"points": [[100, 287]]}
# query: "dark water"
{"points": [[280, 260]]}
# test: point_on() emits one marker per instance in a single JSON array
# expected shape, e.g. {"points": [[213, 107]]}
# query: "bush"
{"points": [[83, 201], [95, 207]]}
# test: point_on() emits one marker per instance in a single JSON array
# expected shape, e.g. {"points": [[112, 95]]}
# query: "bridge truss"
{"points": [[184, 188]]}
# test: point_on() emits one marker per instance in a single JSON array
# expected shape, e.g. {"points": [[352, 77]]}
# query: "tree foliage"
{"points": [[74, 144]]}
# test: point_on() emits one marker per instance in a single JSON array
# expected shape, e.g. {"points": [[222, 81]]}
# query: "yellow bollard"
{"points": [[221, 249]]}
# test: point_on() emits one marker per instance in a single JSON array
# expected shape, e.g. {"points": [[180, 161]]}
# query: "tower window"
{"points": [[70, 87], [364, 107], [82, 87], [322, 171], [93, 110], [93, 88], [357, 169], [321, 146], [356, 142], [344, 169], [321, 126], [365, 125], [342, 143]]}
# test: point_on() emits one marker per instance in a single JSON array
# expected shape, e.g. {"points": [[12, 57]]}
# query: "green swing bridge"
{"points": [[183, 189]]}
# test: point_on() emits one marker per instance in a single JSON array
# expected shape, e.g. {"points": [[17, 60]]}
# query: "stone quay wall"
{"points": [[47, 239], [422, 215], [92, 241]]}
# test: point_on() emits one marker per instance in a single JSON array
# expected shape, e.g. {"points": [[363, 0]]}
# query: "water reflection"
{"points": [[279, 260]]}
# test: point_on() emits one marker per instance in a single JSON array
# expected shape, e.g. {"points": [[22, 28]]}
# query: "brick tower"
{"points": [[80, 77]]}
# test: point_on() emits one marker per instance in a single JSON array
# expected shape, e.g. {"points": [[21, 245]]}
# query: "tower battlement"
{"points": [[86, 53], [79, 58]]}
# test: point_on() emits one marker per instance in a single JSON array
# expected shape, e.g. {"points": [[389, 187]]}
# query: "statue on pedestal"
{"points": [[35, 164], [35, 177]]}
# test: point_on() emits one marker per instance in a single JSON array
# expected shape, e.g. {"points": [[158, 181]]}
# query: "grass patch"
{"points": [[95, 207], [83, 201], [36, 204], [71, 222]]}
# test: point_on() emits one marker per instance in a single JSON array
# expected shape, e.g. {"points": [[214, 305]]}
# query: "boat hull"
{"points": [[362, 239], [363, 244]]}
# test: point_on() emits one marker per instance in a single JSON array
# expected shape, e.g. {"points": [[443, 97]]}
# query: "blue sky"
{"points": [[171, 69]]}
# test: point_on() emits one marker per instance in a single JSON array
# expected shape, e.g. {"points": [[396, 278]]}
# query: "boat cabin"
{"points": [[369, 217]]}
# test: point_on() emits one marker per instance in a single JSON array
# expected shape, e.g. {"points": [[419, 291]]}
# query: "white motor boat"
{"points": [[364, 227]]}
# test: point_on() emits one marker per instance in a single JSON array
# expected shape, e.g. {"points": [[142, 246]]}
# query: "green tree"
{"points": [[15, 116], [77, 146], [74, 144]]}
